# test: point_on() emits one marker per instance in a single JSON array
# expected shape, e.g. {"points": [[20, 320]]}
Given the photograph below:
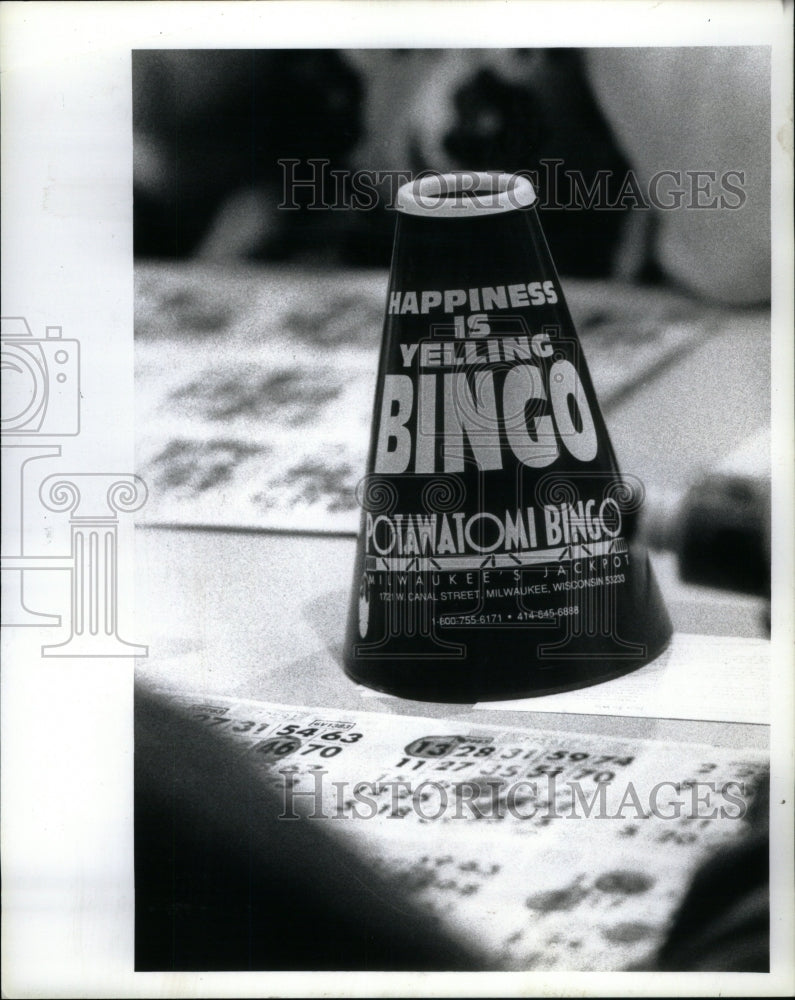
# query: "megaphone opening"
{"points": [[464, 194]]}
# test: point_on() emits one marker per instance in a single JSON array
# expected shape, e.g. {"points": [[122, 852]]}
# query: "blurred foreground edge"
{"points": [[221, 884]]}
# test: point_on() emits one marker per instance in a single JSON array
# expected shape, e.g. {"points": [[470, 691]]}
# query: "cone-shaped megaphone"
{"points": [[496, 556]]}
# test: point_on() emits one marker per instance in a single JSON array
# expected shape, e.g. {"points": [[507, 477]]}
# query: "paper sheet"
{"points": [[541, 851], [254, 385]]}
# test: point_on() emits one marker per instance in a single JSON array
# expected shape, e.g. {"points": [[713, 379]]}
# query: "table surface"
{"points": [[261, 615]]}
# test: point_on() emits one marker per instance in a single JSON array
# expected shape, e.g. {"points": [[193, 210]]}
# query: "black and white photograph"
{"points": [[397, 489]]}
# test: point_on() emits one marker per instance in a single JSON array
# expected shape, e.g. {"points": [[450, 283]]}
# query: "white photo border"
{"points": [[67, 252]]}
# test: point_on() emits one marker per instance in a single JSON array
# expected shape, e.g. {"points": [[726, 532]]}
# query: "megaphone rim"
{"points": [[465, 194]]}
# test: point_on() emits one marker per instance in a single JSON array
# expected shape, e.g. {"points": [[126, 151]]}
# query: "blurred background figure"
{"points": [[698, 109], [210, 128], [213, 130]]}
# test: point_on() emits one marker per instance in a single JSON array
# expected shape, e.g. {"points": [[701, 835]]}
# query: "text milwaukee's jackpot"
{"points": [[497, 552]]}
